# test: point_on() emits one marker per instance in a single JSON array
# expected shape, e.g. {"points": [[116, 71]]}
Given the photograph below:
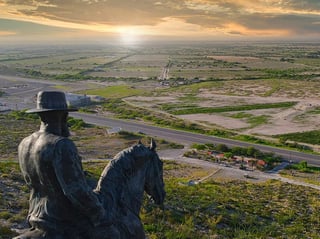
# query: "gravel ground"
{"points": [[223, 172]]}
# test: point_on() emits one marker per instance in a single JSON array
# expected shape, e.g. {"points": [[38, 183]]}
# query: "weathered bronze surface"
{"points": [[122, 184], [62, 205]]}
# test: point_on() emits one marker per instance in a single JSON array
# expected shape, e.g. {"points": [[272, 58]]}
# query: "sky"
{"points": [[133, 21]]}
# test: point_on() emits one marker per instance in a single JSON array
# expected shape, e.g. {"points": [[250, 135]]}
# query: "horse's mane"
{"points": [[136, 150], [130, 156], [125, 163]]}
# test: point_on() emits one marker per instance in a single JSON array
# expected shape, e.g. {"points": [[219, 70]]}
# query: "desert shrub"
{"points": [[76, 123], [198, 146], [309, 137], [22, 115], [6, 232]]}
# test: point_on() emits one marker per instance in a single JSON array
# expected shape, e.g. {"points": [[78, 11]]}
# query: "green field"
{"points": [[206, 89], [117, 91], [243, 61], [215, 209], [191, 109]]}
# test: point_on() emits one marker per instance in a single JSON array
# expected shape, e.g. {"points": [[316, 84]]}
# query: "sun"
{"points": [[129, 35]]}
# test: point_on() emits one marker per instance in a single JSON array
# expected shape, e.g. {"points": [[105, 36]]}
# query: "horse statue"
{"points": [[122, 185]]}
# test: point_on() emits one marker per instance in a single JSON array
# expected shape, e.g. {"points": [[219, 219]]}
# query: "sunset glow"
{"points": [[129, 35], [131, 21]]}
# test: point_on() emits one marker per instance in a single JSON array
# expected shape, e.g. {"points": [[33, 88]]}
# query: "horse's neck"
{"points": [[133, 192], [124, 188]]}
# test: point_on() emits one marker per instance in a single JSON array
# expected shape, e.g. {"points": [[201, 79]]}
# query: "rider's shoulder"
{"points": [[64, 142]]}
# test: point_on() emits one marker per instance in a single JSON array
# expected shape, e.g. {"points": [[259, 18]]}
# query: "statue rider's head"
{"points": [[53, 110]]}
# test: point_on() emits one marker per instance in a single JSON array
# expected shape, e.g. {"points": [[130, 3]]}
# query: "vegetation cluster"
{"points": [[125, 111], [302, 172], [257, 69], [308, 137], [215, 209], [207, 151], [192, 109]]}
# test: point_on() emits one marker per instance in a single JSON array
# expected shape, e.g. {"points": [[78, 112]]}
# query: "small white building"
{"points": [[77, 100], [96, 98]]}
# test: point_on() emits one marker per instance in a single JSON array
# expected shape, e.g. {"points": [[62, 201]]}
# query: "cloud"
{"points": [[259, 17], [237, 17], [237, 29], [308, 5], [23, 28], [7, 33], [112, 12]]}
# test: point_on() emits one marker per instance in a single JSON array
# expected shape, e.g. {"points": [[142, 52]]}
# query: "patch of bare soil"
{"points": [[295, 119], [225, 122], [280, 121]]}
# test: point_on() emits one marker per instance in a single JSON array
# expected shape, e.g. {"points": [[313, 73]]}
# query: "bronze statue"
{"points": [[122, 184], [62, 205], [61, 201]]}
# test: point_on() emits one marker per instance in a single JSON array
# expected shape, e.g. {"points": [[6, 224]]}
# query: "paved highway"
{"points": [[20, 94], [188, 138]]}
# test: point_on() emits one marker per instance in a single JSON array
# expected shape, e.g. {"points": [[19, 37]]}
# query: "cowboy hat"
{"points": [[51, 101]]}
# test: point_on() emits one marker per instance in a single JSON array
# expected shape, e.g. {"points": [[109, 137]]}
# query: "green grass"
{"points": [[309, 137], [192, 98], [240, 115], [117, 91], [195, 88], [308, 61], [123, 110], [303, 172], [276, 86], [13, 128], [258, 120], [316, 110], [17, 125], [251, 119], [197, 110], [215, 209], [235, 210]]}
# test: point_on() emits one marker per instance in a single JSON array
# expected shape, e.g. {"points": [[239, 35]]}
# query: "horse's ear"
{"points": [[139, 141], [153, 145]]}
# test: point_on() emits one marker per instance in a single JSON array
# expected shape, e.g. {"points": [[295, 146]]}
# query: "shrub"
{"points": [[199, 146], [5, 232], [76, 123]]}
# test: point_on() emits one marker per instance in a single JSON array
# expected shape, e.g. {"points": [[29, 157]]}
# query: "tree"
{"points": [[228, 155], [251, 151], [222, 148], [303, 165]]}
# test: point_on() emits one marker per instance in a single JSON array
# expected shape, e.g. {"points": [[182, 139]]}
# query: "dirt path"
{"points": [[229, 173]]}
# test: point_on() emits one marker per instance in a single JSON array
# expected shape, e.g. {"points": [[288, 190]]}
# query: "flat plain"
{"points": [[266, 90], [174, 78]]}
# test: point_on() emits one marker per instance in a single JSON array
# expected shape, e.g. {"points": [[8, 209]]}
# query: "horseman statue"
{"points": [[62, 205]]}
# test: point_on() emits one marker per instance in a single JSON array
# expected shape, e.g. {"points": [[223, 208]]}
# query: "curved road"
{"points": [[19, 96], [188, 138]]}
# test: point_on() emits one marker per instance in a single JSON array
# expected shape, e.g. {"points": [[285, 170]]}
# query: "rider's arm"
{"points": [[68, 169]]}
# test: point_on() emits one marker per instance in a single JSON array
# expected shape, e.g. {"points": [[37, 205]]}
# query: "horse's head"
{"points": [[124, 180], [132, 171], [154, 185]]}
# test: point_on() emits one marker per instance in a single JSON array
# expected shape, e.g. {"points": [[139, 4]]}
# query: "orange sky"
{"points": [[137, 20]]}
